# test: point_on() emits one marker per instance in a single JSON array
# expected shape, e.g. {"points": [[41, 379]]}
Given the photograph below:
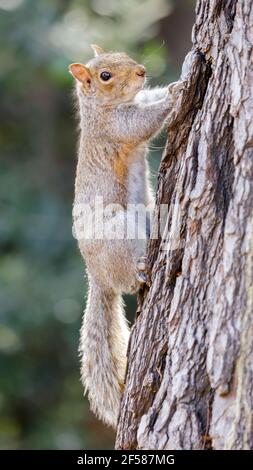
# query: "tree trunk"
{"points": [[190, 372]]}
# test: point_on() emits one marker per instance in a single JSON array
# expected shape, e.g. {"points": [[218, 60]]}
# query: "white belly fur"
{"points": [[139, 187]]}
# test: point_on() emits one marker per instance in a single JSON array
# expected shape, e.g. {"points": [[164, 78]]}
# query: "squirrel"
{"points": [[117, 116]]}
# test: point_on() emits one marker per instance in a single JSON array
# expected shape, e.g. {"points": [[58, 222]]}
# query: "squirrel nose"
{"points": [[141, 71]]}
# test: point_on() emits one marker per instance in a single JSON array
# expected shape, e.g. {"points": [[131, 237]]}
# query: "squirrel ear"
{"points": [[80, 72], [97, 50]]}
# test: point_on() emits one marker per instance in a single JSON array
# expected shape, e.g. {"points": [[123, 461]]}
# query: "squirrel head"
{"points": [[111, 77]]}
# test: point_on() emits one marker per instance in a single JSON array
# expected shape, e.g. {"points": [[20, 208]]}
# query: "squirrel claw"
{"points": [[143, 279], [177, 87]]}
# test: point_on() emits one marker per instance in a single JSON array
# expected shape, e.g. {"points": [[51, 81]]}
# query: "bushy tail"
{"points": [[103, 346]]}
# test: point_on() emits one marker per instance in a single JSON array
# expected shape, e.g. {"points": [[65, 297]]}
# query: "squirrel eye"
{"points": [[105, 76]]}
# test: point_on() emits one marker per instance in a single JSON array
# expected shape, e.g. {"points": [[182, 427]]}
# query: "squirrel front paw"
{"points": [[175, 88]]}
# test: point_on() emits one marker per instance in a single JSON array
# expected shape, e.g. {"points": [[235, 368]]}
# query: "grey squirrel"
{"points": [[117, 119]]}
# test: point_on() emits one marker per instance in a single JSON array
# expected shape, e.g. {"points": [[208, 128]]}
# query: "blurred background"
{"points": [[42, 282]]}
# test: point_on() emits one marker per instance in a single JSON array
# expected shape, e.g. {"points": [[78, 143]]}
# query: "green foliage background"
{"points": [[42, 282]]}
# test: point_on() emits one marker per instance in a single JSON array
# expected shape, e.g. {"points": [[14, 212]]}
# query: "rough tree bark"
{"points": [[190, 371]]}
